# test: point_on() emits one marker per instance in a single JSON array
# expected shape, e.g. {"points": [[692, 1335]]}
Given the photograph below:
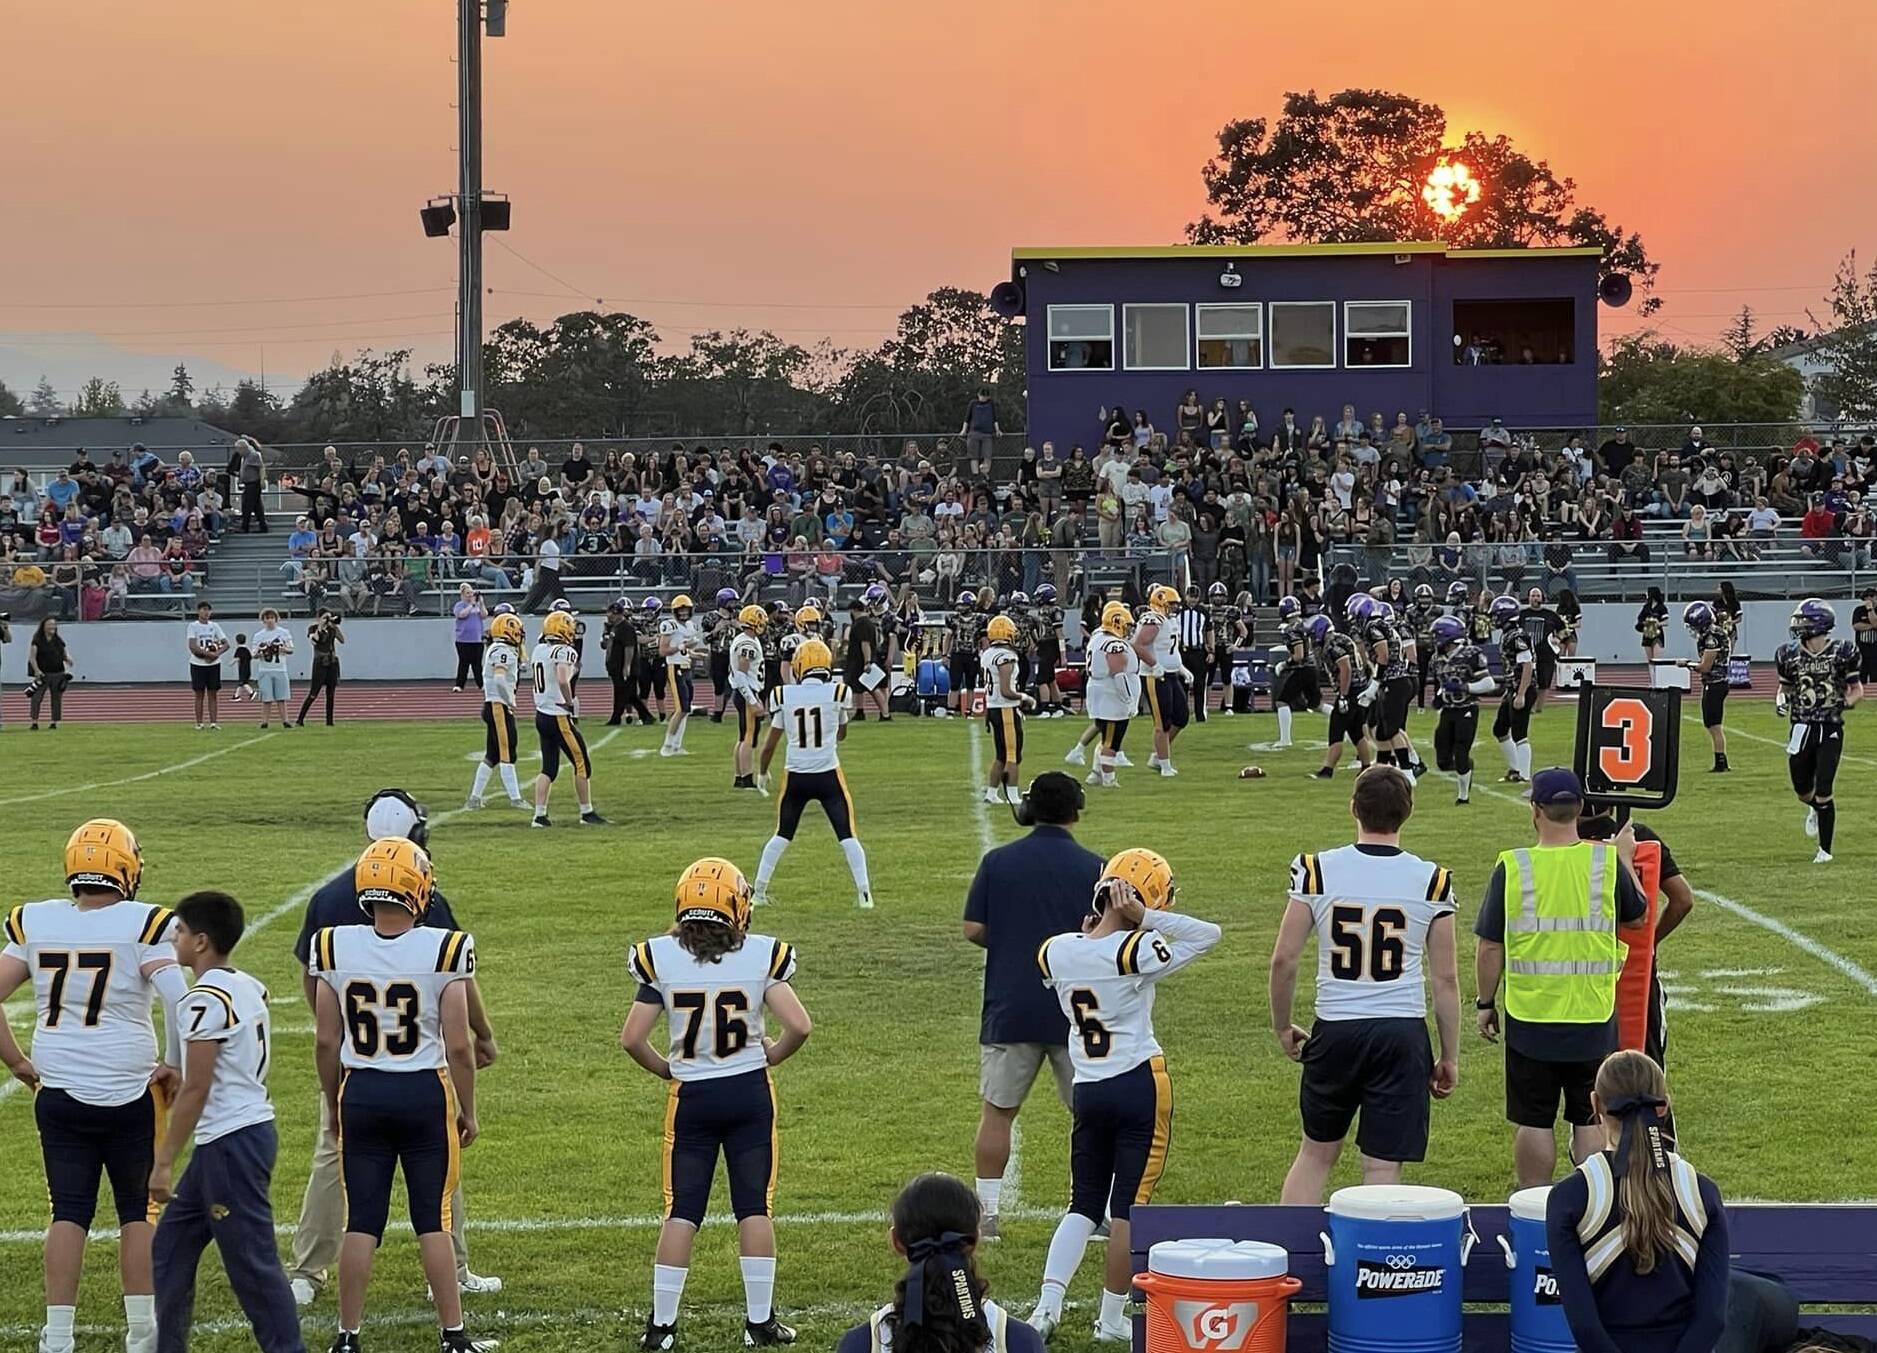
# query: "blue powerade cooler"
{"points": [[1538, 1323], [1396, 1254], [935, 678]]}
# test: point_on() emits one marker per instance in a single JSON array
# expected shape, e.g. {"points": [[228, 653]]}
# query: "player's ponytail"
{"points": [[938, 1307], [1633, 1093]]}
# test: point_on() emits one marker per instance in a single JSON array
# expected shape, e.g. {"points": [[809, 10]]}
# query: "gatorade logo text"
{"points": [[1215, 1325], [1544, 1287], [1401, 1276]]}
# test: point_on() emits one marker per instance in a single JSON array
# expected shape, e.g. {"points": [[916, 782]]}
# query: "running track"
{"points": [[377, 700]]}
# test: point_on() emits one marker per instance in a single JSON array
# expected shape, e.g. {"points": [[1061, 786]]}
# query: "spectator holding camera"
{"points": [[49, 671], [272, 644], [206, 642], [325, 637], [471, 615]]}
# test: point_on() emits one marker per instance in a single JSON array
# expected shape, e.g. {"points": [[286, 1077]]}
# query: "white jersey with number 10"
{"points": [[809, 715], [547, 658]]}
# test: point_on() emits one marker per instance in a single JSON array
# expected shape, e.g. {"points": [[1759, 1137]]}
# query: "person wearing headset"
{"points": [[316, 1239], [1034, 887]]}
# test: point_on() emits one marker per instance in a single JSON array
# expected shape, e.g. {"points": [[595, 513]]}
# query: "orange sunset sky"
{"points": [[814, 167]]}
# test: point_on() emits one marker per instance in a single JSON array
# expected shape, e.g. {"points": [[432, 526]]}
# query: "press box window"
{"points": [[1303, 333], [1231, 337], [1376, 333], [1155, 337], [1081, 338], [1541, 331]]}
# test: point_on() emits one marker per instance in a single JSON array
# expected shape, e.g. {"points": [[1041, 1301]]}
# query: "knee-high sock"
{"points": [[1525, 760], [667, 1292], [1283, 723], [508, 780], [856, 862], [772, 855], [759, 1286], [481, 781], [1510, 750], [1827, 823], [1065, 1256], [1466, 783]]}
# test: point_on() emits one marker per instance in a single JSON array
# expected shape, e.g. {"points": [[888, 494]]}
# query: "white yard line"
{"points": [[1734, 732], [136, 779]]}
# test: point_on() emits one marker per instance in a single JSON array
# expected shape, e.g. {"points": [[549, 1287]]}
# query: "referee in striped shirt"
{"points": [[1195, 652]]}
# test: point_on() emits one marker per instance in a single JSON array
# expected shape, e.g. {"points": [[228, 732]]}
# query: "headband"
{"points": [[949, 1249], [1637, 1113]]}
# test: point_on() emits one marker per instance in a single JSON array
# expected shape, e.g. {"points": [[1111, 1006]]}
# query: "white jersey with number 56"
{"points": [[1106, 987], [810, 714], [1372, 907]]}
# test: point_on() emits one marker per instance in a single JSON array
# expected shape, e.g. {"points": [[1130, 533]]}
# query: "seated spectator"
{"points": [[1626, 542], [299, 549], [146, 566], [178, 569], [195, 537], [1816, 527], [1670, 498], [1697, 535]]}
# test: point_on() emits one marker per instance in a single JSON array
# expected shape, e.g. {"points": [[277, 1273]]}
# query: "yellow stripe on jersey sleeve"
{"points": [[220, 995], [1440, 887], [322, 950], [1127, 960], [779, 964], [16, 925], [1042, 958], [642, 952], [453, 947], [154, 927]]}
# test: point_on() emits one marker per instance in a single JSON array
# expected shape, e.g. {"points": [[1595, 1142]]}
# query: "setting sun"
{"points": [[1450, 190]]}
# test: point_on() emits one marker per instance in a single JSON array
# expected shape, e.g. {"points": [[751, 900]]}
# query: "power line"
{"points": [[722, 305], [178, 305]]}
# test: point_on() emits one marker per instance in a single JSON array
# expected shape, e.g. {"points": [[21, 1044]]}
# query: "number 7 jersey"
{"points": [[713, 1011], [390, 991], [1106, 987]]}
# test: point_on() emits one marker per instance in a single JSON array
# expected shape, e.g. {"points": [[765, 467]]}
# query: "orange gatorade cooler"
{"points": [[1217, 1296]]}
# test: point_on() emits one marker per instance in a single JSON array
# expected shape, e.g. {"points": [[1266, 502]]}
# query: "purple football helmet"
{"points": [[1317, 628], [1046, 595], [1812, 618], [1456, 592], [966, 600], [1505, 611], [652, 605], [1359, 607], [1289, 608], [1698, 616], [726, 596], [1448, 629], [1383, 612]]}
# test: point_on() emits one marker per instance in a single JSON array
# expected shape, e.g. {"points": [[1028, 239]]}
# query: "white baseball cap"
{"points": [[392, 812]]}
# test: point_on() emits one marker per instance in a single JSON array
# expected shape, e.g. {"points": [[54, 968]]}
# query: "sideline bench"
{"points": [[1826, 1253]]}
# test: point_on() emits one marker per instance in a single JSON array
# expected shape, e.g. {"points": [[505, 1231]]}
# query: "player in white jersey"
{"points": [[397, 1064], [1111, 692], [811, 715], [1379, 915], [746, 676], [1004, 708], [96, 964], [679, 641], [501, 668], [1163, 674], [223, 1195], [556, 664], [1122, 1099], [712, 981]]}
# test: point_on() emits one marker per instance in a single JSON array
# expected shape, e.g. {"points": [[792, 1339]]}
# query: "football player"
{"points": [[223, 1106], [1018, 609], [1223, 621], [1296, 685], [1111, 694], [556, 663], [1122, 1097], [775, 662], [963, 629], [1391, 654], [1714, 645], [679, 641], [653, 674], [721, 628], [804, 625], [397, 1064], [1460, 678], [97, 963], [744, 664], [501, 665], [1512, 725], [1378, 913], [1818, 682], [1338, 654], [812, 714], [713, 981], [1046, 636], [1420, 622], [1156, 644], [1004, 707]]}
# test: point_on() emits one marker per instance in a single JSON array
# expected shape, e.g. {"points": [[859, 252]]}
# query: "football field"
{"points": [[1771, 1058]]}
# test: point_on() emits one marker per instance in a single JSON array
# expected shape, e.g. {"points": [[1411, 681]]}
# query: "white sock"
{"points": [[1525, 760], [772, 856], [667, 1291], [1113, 1307], [856, 862], [481, 781], [759, 1286], [1283, 723], [1510, 750], [677, 738], [1065, 1255], [586, 804], [1466, 784], [140, 1314], [508, 781], [59, 1323], [989, 1192]]}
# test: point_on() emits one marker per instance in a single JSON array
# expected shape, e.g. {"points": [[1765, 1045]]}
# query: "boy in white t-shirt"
{"points": [[207, 642]]}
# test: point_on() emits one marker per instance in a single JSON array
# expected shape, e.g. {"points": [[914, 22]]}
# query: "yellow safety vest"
{"points": [[1562, 953]]}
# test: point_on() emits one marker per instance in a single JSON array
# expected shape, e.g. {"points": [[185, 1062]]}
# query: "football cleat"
{"points": [[658, 1336], [1166, 770], [865, 901], [1044, 1322], [471, 804], [1076, 756], [588, 819], [522, 804], [759, 896], [1823, 857], [1012, 795], [458, 1341], [988, 1228], [991, 795], [768, 1334], [1122, 1333], [1121, 759], [540, 820], [347, 1342]]}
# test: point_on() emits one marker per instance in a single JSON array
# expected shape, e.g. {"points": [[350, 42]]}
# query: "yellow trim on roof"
{"points": [[1254, 251]]}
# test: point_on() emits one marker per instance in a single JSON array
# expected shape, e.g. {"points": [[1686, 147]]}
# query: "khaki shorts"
{"points": [[1007, 1070]]}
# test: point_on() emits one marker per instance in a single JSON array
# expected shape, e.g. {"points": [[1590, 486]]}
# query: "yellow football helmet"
{"points": [[1163, 599], [506, 629], [394, 869], [753, 616], [812, 656], [1145, 872], [1001, 630], [714, 890], [559, 626], [808, 615], [103, 854], [1117, 619], [683, 602]]}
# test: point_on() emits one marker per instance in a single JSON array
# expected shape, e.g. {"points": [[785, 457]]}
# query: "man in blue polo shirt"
{"points": [[389, 812], [1037, 886]]}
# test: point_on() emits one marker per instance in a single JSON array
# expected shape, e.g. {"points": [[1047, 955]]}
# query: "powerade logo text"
{"points": [[1545, 1288], [1397, 1276]]}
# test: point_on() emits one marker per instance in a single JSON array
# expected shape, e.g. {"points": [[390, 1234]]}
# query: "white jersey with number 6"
{"points": [[390, 991], [714, 1011], [809, 715], [1372, 906], [1106, 987]]}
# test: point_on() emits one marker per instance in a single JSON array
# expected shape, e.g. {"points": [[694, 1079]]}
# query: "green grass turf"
{"points": [[887, 1086]]}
